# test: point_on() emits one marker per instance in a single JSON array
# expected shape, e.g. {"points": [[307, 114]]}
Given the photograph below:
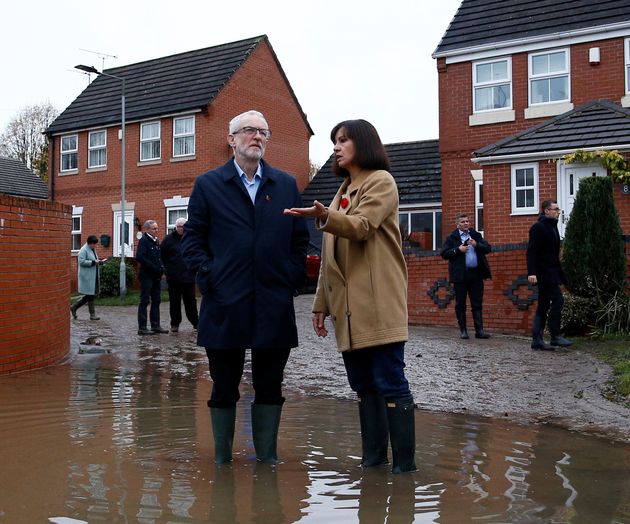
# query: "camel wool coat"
{"points": [[363, 276]]}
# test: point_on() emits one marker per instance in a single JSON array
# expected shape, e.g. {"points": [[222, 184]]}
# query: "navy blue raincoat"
{"points": [[249, 259]]}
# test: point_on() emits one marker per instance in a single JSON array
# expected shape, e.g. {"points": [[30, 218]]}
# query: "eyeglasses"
{"points": [[251, 131]]}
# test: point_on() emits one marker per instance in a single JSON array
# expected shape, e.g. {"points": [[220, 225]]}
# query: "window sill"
{"points": [[69, 172], [96, 169], [149, 162], [525, 212], [544, 110], [625, 101], [183, 158], [492, 117]]}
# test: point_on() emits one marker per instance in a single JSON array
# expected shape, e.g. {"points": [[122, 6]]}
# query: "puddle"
{"points": [[125, 437]]}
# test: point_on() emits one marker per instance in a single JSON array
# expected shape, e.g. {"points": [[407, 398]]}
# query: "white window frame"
{"points": [[170, 225], [626, 53], [491, 83], [77, 213], [479, 205], [525, 210], [183, 136], [70, 153], [566, 72], [151, 140], [99, 149], [436, 223]]}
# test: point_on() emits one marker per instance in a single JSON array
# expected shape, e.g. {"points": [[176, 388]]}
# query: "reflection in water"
{"points": [[126, 438]]}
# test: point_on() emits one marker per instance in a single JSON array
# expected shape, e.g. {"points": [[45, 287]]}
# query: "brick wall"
{"points": [[508, 304], [34, 283], [258, 84]]}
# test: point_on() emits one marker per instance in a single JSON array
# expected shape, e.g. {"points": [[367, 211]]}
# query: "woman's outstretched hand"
{"points": [[317, 210]]}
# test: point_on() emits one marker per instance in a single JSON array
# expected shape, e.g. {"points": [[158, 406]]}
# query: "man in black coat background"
{"points": [[465, 249], [545, 271], [150, 276], [181, 281]]}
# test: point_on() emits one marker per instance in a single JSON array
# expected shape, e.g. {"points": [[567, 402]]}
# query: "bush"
{"points": [[593, 252], [110, 277], [579, 314], [614, 315]]}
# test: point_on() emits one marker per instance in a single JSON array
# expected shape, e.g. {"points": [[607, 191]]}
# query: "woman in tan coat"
{"points": [[362, 287]]}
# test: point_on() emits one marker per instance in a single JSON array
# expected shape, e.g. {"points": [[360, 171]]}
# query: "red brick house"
{"points": [[520, 85], [177, 113]]}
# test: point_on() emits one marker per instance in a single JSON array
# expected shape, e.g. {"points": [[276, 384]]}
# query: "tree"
{"points": [[593, 252], [23, 138]]}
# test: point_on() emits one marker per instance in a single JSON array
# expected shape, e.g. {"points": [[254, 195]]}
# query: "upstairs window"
{"points": [[492, 85], [549, 77], [69, 148], [524, 189], [97, 149], [150, 148], [184, 136]]}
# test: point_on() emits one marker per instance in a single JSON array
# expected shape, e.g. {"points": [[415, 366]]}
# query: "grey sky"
{"points": [[344, 59]]}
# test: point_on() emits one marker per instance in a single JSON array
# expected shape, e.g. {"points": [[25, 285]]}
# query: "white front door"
{"points": [[128, 230], [569, 183]]}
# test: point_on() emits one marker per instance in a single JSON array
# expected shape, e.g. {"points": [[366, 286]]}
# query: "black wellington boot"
{"points": [[478, 320], [402, 433], [374, 430], [223, 421], [265, 423], [538, 329], [461, 321]]}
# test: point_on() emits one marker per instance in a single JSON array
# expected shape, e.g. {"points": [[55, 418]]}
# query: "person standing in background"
{"points": [[181, 281], [465, 249], [150, 276], [545, 271], [88, 277]]}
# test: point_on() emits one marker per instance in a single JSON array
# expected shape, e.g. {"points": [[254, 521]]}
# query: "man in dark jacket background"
{"points": [[181, 281], [465, 249], [250, 260], [150, 276], [545, 271]]}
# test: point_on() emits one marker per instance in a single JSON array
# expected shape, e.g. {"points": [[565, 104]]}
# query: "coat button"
{"points": [[329, 288], [348, 313]]}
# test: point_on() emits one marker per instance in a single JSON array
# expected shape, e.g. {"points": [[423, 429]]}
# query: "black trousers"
{"points": [[472, 286], [550, 300], [150, 289], [226, 370], [178, 292]]}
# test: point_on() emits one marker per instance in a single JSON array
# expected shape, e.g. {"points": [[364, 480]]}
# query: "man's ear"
{"points": [[230, 140]]}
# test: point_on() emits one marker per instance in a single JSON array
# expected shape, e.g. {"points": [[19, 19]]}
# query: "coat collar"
{"points": [[229, 171]]}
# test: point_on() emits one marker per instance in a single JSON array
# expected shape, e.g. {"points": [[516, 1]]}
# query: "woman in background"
{"points": [[88, 282]]}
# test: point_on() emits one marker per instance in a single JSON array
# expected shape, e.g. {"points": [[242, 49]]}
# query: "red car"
{"points": [[313, 261]]}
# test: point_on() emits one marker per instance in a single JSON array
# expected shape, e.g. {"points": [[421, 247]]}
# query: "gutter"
{"points": [[543, 155]]}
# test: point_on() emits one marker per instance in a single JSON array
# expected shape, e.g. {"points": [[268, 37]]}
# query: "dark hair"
{"points": [[369, 151], [547, 204], [92, 239]]}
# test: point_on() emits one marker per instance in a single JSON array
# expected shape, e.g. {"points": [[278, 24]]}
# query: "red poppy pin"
{"points": [[344, 202]]}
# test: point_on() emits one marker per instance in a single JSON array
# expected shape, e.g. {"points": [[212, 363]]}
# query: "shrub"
{"points": [[614, 315], [593, 252], [110, 277], [579, 314]]}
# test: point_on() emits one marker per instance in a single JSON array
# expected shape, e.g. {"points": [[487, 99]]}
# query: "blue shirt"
{"points": [[471, 255], [252, 187]]}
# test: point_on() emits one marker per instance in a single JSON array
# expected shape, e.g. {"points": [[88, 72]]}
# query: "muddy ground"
{"points": [[500, 377]]}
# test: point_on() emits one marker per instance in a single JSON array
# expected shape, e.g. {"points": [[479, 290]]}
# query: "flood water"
{"points": [[126, 437]]}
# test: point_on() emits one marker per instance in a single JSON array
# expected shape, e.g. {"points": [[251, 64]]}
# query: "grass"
{"points": [[132, 299], [615, 351]]}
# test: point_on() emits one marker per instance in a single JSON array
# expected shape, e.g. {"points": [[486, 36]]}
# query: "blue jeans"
{"points": [[378, 370]]}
